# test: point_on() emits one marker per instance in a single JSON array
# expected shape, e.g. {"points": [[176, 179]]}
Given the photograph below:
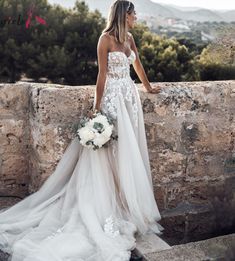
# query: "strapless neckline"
{"points": [[122, 53]]}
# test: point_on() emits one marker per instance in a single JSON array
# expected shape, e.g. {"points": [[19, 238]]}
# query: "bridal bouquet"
{"points": [[96, 132]]}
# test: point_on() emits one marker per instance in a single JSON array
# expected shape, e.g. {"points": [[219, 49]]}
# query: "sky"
{"points": [[209, 4]]}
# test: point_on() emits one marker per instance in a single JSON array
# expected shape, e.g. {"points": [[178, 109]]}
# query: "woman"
{"points": [[122, 17], [95, 202]]}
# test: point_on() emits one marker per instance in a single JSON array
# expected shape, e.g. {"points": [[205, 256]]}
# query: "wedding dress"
{"points": [[95, 203]]}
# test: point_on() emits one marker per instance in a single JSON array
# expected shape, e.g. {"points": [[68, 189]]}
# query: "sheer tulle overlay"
{"points": [[95, 202]]}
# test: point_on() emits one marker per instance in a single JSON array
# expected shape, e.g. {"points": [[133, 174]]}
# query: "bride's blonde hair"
{"points": [[117, 19]]}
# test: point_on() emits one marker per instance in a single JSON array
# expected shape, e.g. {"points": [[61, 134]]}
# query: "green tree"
{"points": [[13, 35], [64, 48], [164, 59], [83, 29], [217, 62]]}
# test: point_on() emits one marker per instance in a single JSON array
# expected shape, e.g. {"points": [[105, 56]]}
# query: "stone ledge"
{"points": [[217, 249], [190, 131], [150, 243]]}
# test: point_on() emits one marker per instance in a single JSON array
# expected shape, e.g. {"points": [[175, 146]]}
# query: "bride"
{"points": [[95, 203]]}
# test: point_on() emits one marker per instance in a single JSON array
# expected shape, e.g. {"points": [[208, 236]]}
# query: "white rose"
{"points": [[102, 119], [108, 131], [100, 140], [86, 134]]}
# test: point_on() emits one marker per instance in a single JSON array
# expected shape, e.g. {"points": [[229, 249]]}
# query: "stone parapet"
{"points": [[190, 129]]}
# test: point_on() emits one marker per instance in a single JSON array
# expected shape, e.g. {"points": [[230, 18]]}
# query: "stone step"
{"points": [[214, 249], [150, 243]]}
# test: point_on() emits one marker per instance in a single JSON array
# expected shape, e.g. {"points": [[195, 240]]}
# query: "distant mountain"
{"points": [[143, 7], [230, 15], [182, 8], [200, 15], [149, 8]]}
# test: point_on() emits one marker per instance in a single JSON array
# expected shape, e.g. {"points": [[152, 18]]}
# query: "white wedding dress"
{"points": [[95, 203]]}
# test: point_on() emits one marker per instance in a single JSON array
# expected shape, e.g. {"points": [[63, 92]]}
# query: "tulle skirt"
{"points": [[95, 202]]}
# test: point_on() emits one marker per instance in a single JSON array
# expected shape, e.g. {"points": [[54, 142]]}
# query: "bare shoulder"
{"points": [[105, 38]]}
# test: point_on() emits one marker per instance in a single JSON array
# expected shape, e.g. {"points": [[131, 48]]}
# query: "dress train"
{"points": [[95, 202]]}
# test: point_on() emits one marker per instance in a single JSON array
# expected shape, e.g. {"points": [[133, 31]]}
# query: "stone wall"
{"points": [[190, 129], [14, 143]]}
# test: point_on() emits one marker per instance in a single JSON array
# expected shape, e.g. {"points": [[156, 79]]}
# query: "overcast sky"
{"points": [[209, 4]]}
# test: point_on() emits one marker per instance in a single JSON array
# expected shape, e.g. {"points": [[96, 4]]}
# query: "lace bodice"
{"points": [[119, 64], [119, 84]]}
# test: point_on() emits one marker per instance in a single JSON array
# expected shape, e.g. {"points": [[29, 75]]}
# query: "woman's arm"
{"points": [[140, 70], [102, 53]]}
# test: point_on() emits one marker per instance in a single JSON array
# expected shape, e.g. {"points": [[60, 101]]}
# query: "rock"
{"points": [[219, 248], [190, 131]]}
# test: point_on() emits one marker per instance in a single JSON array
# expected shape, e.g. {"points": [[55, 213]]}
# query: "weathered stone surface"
{"points": [[14, 99], [190, 131], [150, 243], [6, 202], [189, 222], [52, 119], [14, 133], [219, 248], [191, 139]]}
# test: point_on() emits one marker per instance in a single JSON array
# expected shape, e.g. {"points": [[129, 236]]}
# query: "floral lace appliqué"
{"points": [[119, 83], [58, 231], [111, 227]]}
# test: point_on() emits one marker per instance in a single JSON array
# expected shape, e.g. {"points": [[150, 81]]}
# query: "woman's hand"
{"points": [[93, 112], [155, 89]]}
